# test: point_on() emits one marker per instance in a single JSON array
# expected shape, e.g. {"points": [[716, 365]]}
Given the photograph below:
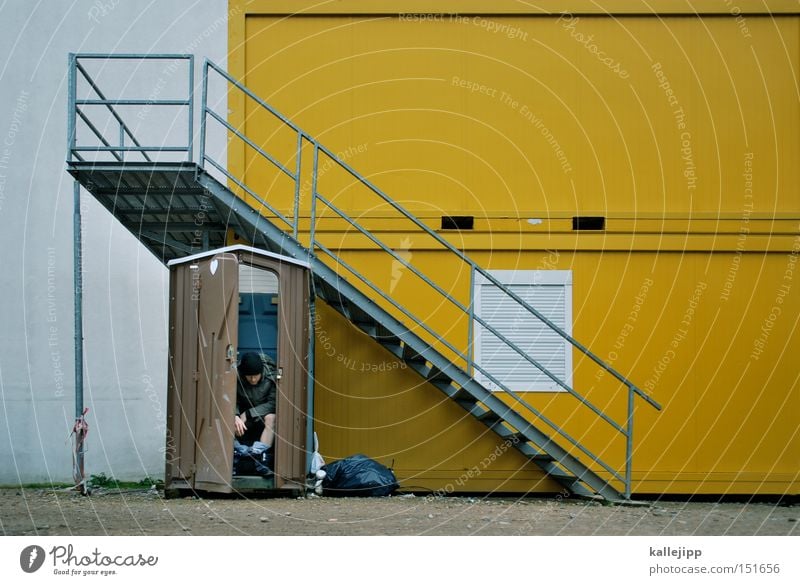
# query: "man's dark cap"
{"points": [[250, 365]]}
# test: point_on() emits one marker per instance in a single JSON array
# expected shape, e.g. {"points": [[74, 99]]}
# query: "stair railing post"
{"points": [[312, 229], [72, 89], [471, 324], [190, 143], [203, 103], [297, 186], [629, 443], [121, 141]]}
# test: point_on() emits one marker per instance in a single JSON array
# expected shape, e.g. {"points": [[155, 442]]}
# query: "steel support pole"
{"points": [[77, 281]]}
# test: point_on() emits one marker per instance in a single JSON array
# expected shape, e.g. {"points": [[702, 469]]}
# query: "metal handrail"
{"points": [[110, 108], [465, 309], [118, 152], [356, 175], [251, 144], [249, 191], [316, 244], [488, 276], [96, 132]]}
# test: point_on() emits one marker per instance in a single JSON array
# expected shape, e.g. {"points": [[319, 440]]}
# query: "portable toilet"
{"points": [[224, 303]]}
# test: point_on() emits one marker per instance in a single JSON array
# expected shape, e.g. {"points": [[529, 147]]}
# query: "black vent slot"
{"points": [[458, 222], [588, 223]]}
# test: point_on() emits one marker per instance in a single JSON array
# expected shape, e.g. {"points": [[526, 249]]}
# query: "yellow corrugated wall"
{"points": [[681, 129]]}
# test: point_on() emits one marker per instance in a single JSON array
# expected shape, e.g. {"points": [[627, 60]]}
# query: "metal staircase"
{"points": [[159, 202]]}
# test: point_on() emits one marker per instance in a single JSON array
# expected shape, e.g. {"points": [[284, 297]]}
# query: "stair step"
{"points": [[389, 341], [359, 315], [533, 453], [386, 337], [442, 385], [488, 417], [508, 434], [435, 376], [579, 489], [393, 348], [340, 307], [554, 471], [461, 396], [484, 415], [418, 365], [571, 483], [557, 473], [410, 355], [325, 291], [367, 327], [565, 478]]}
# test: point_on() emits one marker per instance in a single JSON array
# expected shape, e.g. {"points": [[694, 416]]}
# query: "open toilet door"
{"points": [[202, 379], [217, 331]]}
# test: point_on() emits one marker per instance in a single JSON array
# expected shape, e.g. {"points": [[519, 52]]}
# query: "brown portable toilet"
{"points": [[215, 296]]}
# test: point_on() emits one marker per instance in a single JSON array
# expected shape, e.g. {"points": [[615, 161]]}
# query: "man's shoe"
{"points": [[262, 468]]}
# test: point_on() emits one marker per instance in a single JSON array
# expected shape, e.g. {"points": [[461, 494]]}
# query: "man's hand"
{"points": [[239, 426]]}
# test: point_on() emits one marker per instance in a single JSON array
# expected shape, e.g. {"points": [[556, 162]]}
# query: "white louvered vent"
{"points": [[550, 293], [257, 280]]}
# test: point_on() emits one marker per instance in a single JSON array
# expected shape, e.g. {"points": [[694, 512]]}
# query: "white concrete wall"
{"points": [[125, 287]]}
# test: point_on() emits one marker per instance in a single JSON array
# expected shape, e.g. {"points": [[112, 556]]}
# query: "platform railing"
{"points": [[117, 146]]}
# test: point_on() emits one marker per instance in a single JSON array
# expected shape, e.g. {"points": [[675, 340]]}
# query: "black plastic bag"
{"points": [[358, 476]]}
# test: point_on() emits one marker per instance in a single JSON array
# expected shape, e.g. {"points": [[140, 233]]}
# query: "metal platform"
{"points": [[168, 207]]}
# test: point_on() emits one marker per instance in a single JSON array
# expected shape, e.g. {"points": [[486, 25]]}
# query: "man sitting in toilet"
{"points": [[254, 423]]}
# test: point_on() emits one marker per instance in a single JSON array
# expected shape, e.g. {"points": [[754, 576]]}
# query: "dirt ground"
{"points": [[146, 512]]}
